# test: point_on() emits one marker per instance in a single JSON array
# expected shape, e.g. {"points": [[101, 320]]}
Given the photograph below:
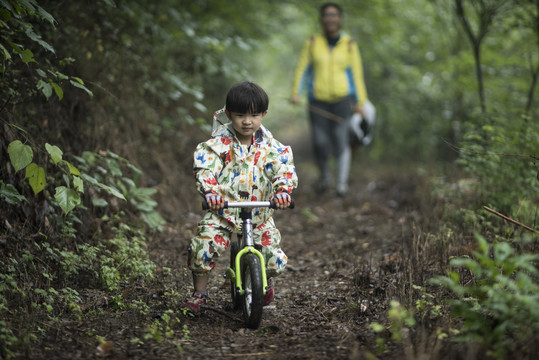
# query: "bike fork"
{"points": [[249, 247]]}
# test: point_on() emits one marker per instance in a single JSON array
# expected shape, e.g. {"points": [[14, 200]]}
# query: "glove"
{"points": [[214, 200], [282, 199]]}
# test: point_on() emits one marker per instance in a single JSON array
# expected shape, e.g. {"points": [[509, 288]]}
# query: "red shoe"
{"points": [[196, 303], [268, 297]]}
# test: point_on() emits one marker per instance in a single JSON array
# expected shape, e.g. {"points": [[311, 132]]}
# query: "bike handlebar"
{"points": [[247, 204]]}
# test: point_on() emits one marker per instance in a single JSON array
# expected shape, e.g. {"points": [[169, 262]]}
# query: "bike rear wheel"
{"points": [[252, 299], [236, 299]]}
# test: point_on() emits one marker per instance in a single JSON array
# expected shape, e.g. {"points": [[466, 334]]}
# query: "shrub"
{"points": [[495, 293]]}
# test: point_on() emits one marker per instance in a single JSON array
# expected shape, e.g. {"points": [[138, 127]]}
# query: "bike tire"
{"points": [[253, 297], [236, 299]]}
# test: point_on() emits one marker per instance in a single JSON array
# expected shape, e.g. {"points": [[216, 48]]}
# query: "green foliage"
{"points": [[100, 172], [20, 155], [9, 194], [29, 281], [400, 321], [496, 293], [67, 198], [500, 156], [21, 49], [114, 175], [155, 68]]}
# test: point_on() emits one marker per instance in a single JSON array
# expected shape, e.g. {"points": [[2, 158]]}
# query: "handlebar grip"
{"points": [[274, 206], [205, 205]]}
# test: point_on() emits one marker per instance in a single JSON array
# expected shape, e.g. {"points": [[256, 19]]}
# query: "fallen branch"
{"points": [[249, 354], [220, 311], [326, 114], [460, 150], [510, 220]]}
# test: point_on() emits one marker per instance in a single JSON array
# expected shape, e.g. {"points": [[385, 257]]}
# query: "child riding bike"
{"points": [[241, 161]]}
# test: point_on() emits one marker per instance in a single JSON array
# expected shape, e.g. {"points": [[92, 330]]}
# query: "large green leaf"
{"points": [[58, 90], [20, 155], [67, 198], [78, 184], [27, 56], [45, 88], [80, 85], [72, 169], [37, 38], [55, 153], [5, 53], [36, 177]]}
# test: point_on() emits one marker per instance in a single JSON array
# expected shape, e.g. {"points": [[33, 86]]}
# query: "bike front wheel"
{"points": [[252, 299]]}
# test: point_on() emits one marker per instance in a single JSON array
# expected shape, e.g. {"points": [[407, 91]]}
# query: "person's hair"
{"points": [[330, 4], [247, 98]]}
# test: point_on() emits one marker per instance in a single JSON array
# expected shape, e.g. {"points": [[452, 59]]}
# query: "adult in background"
{"points": [[330, 70]]}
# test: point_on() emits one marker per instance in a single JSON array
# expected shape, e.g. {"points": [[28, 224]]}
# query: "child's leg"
{"points": [[211, 240], [200, 282], [269, 237]]}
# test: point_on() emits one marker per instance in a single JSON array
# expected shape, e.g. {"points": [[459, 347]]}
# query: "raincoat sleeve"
{"points": [[206, 166], [280, 168], [302, 68]]}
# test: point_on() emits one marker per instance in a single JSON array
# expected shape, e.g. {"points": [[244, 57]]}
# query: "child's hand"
{"points": [[215, 201], [282, 200]]}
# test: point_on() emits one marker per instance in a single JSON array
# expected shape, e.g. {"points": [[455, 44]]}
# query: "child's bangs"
{"points": [[248, 105], [247, 98]]}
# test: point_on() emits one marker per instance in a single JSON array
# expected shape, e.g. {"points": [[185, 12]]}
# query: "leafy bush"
{"points": [[96, 194], [19, 35], [496, 293], [102, 172], [502, 157]]}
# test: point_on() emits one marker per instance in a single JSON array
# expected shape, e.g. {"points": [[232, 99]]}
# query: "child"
{"points": [[242, 160]]}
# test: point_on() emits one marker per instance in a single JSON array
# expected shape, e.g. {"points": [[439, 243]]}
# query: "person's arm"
{"points": [[357, 71], [301, 68], [282, 171], [206, 164]]}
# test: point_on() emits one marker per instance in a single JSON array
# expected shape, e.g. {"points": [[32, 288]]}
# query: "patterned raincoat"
{"points": [[240, 172]]}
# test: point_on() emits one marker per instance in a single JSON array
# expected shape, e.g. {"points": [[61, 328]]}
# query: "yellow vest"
{"points": [[330, 75]]}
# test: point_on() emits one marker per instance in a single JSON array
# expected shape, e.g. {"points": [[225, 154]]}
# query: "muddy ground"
{"points": [[339, 277], [337, 280]]}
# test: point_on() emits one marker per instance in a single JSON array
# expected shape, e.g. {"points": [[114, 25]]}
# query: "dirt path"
{"points": [[340, 273], [328, 295], [342, 258]]}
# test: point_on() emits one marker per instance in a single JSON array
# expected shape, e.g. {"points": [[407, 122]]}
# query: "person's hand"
{"points": [[294, 99], [282, 200], [359, 109], [215, 201]]}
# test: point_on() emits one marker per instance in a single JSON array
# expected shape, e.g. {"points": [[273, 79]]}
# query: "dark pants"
{"points": [[331, 137]]}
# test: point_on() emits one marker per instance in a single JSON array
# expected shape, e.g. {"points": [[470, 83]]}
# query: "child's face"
{"points": [[245, 125]]}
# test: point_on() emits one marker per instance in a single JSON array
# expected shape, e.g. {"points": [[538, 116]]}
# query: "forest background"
{"points": [[101, 103]]}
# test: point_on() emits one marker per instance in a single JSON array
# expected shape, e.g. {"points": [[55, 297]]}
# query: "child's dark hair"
{"points": [[247, 98], [330, 4]]}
